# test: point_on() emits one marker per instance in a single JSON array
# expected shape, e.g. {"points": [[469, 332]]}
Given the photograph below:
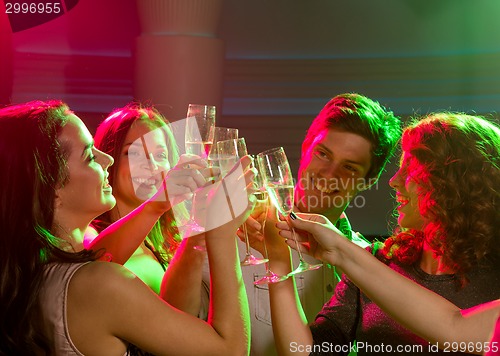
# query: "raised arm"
{"points": [[124, 309], [424, 312], [182, 281], [124, 236], [288, 319]]}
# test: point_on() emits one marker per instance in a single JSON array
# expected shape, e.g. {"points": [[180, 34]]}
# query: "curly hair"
{"points": [[360, 115], [455, 160], [34, 164], [164, 237]]}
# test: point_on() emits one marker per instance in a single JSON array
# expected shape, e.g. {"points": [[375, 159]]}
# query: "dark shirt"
{"points": [[350, 315]]}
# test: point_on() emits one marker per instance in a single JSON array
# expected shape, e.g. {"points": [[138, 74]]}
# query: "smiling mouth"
{"points": [[402, 201], [107, 189], [106, 186], [144, 181]]}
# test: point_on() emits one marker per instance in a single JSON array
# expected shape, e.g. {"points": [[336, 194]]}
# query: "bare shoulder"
{"points": [[104, 300], [101, 278], [107, 287]]}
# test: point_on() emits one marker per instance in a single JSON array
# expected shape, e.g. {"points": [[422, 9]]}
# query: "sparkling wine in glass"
{"points": [[201, 149], [220, 134], [229, 152], [279, 184], [262, 204], [200, 129], [198, 140]]}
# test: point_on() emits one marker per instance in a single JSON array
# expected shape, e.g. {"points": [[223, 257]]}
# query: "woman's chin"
{"points": [[145, 194], [109, 204]]}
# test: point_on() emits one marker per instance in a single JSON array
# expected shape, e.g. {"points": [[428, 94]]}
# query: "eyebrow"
{"points": [[347, 160], [138, 144]]}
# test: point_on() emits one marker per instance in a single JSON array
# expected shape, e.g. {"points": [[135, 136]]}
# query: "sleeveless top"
{"points": [[53, 303], [53, 299]]}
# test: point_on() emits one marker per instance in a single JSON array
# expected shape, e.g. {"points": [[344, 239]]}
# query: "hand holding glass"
{"points": [[279, 184], [263, 199]]}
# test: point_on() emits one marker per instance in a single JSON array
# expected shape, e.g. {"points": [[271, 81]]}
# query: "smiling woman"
{"points": [[53, 300], [120, 135], [446, 189], [140, 140], [145, 161], [407, 194], [88, 179]]}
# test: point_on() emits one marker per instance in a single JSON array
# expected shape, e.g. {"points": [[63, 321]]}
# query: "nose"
{"points": [[153, 163], [395, 180], [150, 163], [330, 170], [104, 159]]}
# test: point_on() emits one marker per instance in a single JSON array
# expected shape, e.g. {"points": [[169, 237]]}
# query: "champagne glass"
{"points": [[279, 184], [263, 201], [220, 134], [230, 151], [200, 129], [198, 140], [261, 196]]}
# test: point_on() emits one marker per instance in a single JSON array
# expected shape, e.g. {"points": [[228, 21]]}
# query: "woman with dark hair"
{"points": [[54, 300], [448, 196], [126, 135]]}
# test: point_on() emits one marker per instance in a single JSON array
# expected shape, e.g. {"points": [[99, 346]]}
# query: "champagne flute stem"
{"points": [[266, 254], [247, 242], [296, 243]]}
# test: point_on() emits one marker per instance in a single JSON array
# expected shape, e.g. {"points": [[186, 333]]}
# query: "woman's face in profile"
{"points": [[407, 196], [143, 158], [87, 191]]}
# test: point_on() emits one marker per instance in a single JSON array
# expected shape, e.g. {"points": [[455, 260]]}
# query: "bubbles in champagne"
{"points": [[282, 197], [201, 149]]}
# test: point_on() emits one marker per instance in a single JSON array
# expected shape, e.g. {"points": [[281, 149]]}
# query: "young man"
{"points": [[344, 152]]}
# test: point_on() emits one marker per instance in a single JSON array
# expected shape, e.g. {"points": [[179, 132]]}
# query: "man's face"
{"points": [[332, 171]]}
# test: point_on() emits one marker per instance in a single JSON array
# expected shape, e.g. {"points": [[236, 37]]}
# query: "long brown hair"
{"points": [[33, 165], [164, 238]]}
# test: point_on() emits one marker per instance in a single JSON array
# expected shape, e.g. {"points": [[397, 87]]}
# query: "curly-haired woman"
{"points": [[447, 190]]}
